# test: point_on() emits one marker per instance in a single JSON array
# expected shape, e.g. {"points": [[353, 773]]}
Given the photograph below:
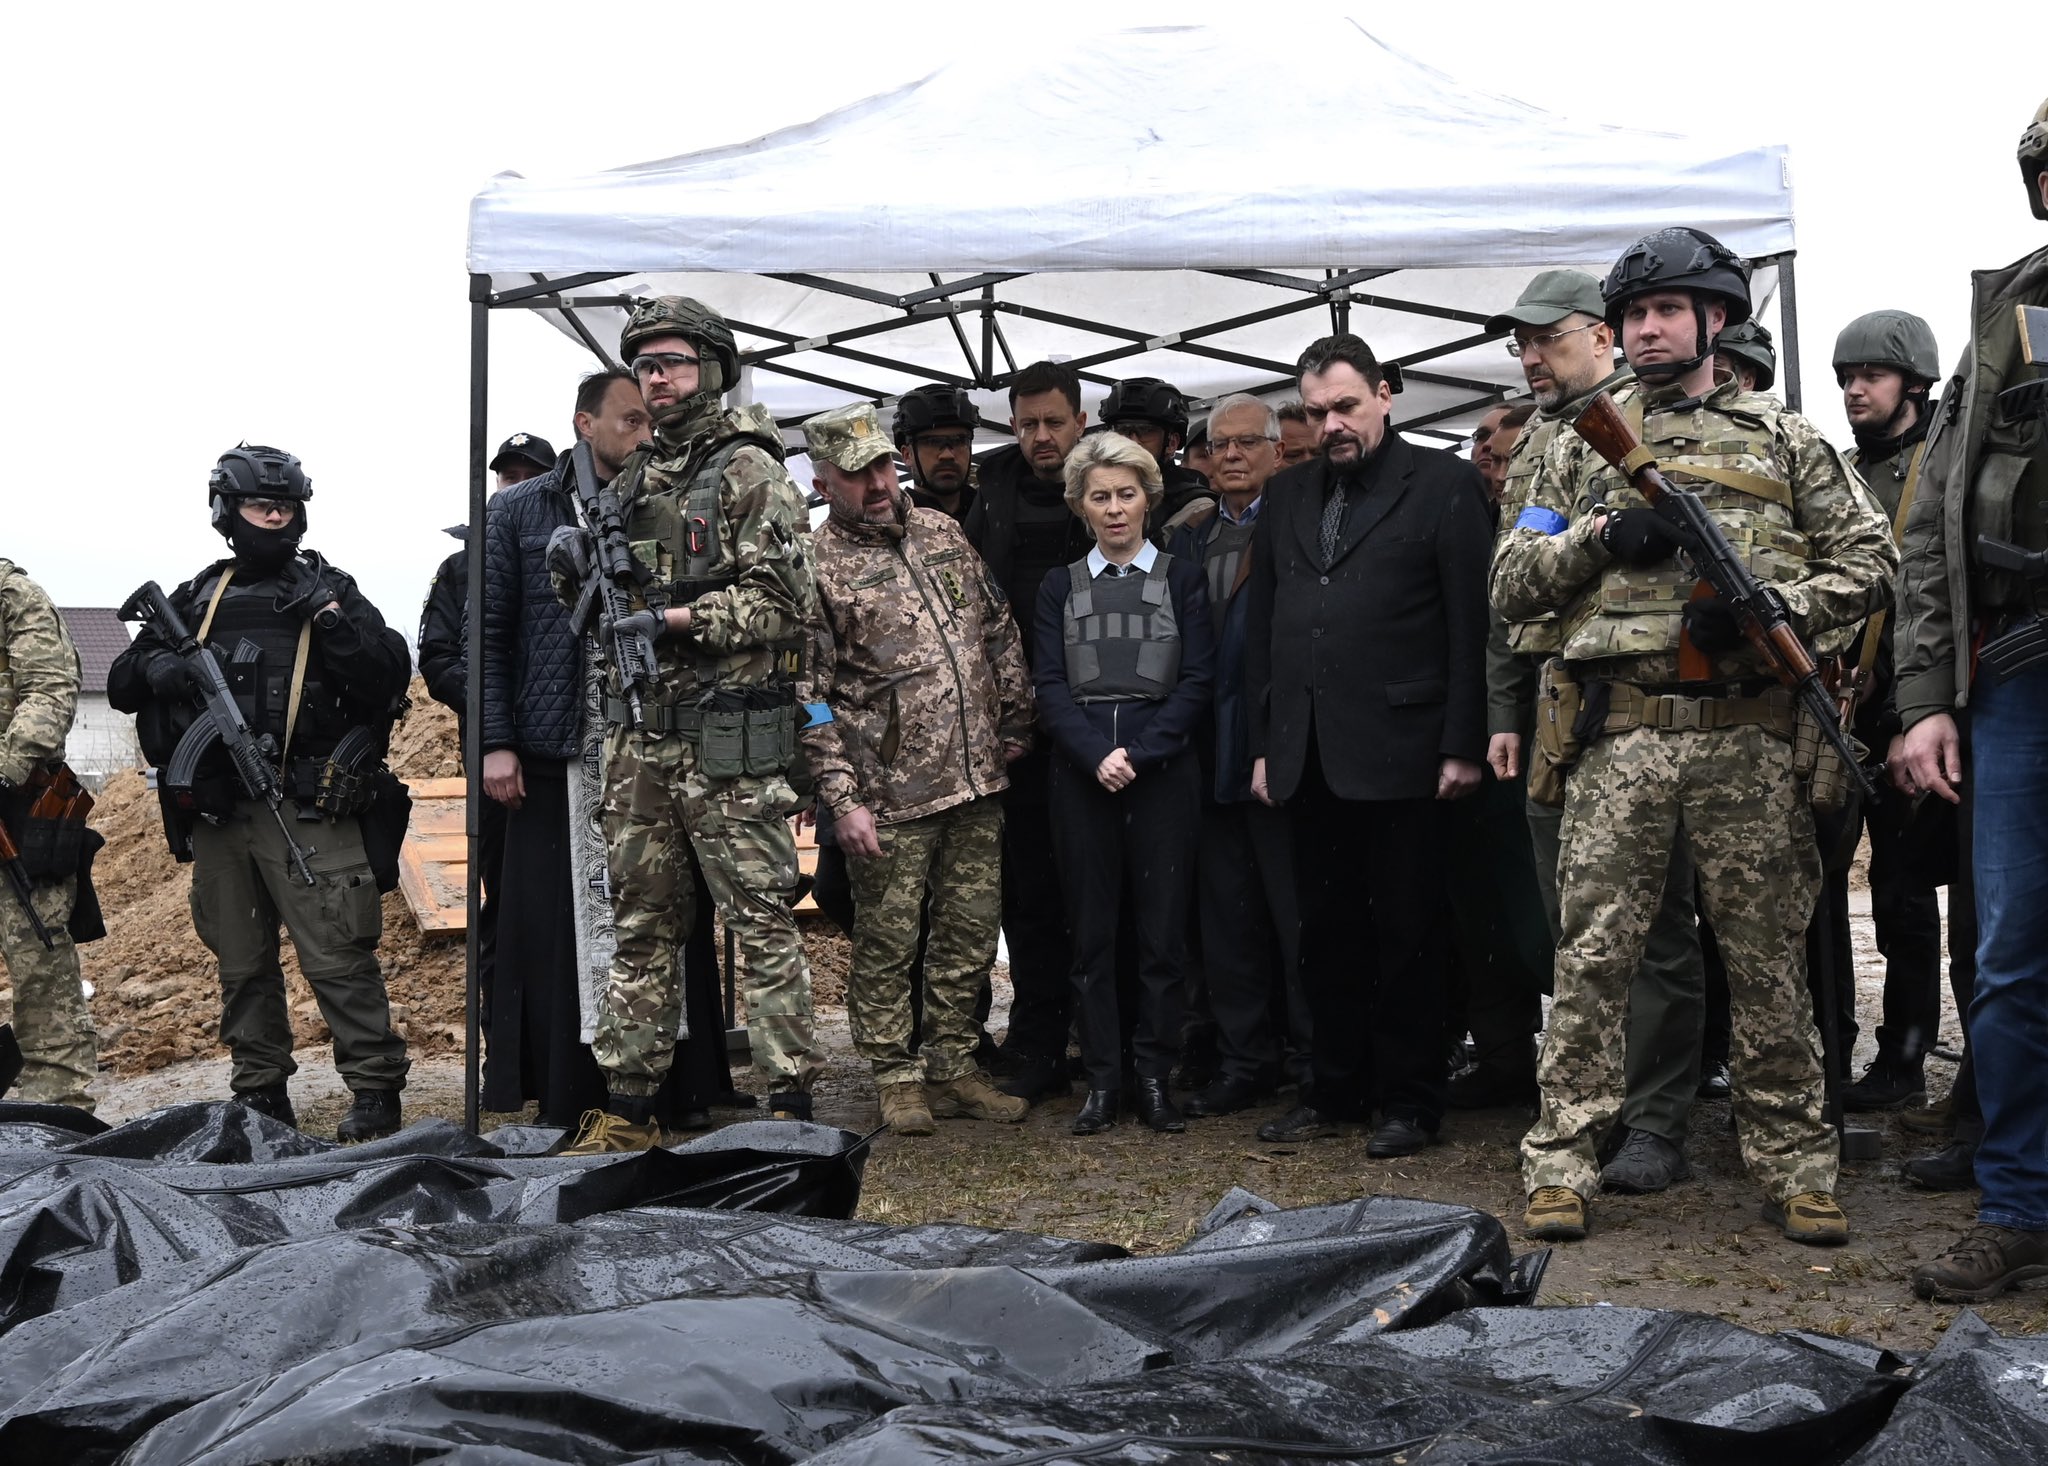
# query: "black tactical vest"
{"points": [[258, 646], [1122, 634]]}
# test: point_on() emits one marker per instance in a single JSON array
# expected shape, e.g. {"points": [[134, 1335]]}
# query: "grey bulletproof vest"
{"points": [[1122, 636]]}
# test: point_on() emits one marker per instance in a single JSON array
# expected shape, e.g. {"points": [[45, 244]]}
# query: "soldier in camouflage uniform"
{"points": [[38, 696], [917, 676], [720, 528], [1695, 744]]}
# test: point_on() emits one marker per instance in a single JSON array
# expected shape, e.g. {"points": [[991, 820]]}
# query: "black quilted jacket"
{"points": [[533, 663]]}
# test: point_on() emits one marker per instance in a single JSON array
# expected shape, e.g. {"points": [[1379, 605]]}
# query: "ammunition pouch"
{"points": [[739, 731], [1814, 759], [1558, 705]]}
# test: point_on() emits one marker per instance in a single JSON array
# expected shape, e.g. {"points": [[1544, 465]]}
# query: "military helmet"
{"points": [[1678, 259], [695, 322], [1895, 339], [934, 405], [1147, 399], [2034, 158], [254, 471], [1752, 343]]}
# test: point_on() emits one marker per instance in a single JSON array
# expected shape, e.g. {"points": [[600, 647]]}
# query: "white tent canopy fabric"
{"points": [[1105, 207]]}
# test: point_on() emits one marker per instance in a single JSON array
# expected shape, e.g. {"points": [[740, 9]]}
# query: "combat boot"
{"points": [[1812, 1217], [904, 1110], [273, 1100], [1646, 1163], [1938, 1118], [1953, 1167], [1892, 1082], [1983, 1263], [1555, 1214], [626, 1124], [972, 1097], [373, 1116]]}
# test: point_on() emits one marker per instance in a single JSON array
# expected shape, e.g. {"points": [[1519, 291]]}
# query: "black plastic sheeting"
{"points": [[206, 1286]]}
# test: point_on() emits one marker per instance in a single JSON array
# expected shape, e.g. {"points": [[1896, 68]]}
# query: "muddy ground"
{"points": [[1700, 1246]]}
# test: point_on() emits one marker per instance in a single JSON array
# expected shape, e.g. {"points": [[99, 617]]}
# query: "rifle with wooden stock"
{"points": [[1759, 609]]}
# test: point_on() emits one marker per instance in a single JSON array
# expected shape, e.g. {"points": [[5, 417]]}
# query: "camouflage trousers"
{"points": [[662, 819], [1730, 796], [959, 851], [59, 1052]]}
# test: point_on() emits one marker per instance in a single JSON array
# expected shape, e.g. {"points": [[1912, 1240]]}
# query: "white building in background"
{"points": [[102, 741]]}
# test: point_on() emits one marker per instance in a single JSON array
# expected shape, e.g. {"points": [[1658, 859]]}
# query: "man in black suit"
{"points": [[1365, 663]]}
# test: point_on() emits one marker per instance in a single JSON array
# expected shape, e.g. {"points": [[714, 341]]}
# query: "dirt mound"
{"points": [[156, 995]]}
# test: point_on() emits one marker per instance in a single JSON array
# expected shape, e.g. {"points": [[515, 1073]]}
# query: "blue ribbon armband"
{"points": [[816, 713], [1545, 521]]}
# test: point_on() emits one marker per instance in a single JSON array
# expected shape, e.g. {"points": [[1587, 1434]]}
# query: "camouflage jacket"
{"points": [[763, 550], [1973, 481], [38, 676], [918, 658], [1827, 547]]}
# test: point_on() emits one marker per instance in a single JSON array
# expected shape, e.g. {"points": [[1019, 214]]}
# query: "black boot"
{"points": [[1036, 1079], [1098, 1113], [273, 1100], [1892, 1082], [1155, 1107], [373, 1116], [1952, 1168], [789, 1104]]}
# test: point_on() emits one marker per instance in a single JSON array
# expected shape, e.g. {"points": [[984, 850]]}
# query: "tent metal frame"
{"points": [[989, 365]]}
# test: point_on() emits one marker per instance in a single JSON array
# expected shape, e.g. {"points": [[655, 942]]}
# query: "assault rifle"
{"points": [[17, 877], [1759, 609], [608, 590], [220, 721]]}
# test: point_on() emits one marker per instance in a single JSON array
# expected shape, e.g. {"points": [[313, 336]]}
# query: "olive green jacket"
{"points": [[1968, 486]]}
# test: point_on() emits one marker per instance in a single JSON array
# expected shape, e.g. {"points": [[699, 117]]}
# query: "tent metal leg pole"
{"points": [[1788, 325], [473, 657]]}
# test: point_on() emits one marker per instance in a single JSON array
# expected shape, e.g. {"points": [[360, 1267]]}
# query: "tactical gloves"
{"points": [[568, 554], [1639, 537], [1712, 624], [307, 583], [650, 624], [169, 678]]}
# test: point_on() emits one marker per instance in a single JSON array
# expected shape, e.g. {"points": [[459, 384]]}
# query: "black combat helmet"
{"points": [[697, 323], [2034, 158], [1752, 343], [253, 471], [934, 405], [1896, 339], [1150, 400], [1691, 260]]}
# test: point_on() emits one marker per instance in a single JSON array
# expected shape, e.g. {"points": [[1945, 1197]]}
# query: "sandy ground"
{"points": [[1701, 1246]]}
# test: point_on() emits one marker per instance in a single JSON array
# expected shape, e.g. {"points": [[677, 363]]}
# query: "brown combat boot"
{"points": [[1812, 1217], [1981, 1264], [1555, 1214], [972, 1097], [603, 1133], [904, 1110]]}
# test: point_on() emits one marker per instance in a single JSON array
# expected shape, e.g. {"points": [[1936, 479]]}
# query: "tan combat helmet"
{"points": [[2034, 158]]}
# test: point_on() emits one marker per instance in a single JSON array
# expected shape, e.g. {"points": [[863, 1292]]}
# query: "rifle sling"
{"points": [[1873, 631], [291, 711]]}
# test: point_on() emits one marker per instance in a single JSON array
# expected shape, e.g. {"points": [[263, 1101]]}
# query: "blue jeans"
{"points": [[2009, 1014]]}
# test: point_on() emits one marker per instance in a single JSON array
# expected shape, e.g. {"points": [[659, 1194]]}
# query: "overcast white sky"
{"points": [[239, 221]]}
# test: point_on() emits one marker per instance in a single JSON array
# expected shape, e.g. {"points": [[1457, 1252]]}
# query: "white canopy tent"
{"points": [[1106, 207], [1110, 207]]}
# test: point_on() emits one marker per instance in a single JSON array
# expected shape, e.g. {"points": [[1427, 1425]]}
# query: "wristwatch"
{"points": [[327, 617]]}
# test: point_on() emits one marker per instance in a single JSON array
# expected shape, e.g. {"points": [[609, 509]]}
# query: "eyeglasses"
{"points": [[664, 363], [1245, 443], [286, 507], [945, 442], [1546, 339]]}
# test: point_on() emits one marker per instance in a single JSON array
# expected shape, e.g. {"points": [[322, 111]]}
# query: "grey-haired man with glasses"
{"points": [[1557, 329]]}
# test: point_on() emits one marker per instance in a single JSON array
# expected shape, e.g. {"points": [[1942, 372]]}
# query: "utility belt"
{"points": [[1572, 715], [738, 730]]}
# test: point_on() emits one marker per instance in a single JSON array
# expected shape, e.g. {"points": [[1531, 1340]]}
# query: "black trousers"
{"points": [[534, 1049], [1907, 916], [1250, 928], [1034, 916], [491, 851], [1500, 933], [1372, 926], [1147, 834]]}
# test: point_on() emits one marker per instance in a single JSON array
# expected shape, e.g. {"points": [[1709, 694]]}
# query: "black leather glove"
{"points": [[1639, 537], [308, 583], [1714, 627], [169, 678], [650, 624]]}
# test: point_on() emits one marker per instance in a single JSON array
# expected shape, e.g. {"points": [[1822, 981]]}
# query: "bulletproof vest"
{"points": [[1633, 612], [1223, 554], [1122, 635], [675, 531], [258, 647]]}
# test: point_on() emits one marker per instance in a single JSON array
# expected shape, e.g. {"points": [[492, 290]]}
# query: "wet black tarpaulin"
{"points": [[206, 1286]]}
